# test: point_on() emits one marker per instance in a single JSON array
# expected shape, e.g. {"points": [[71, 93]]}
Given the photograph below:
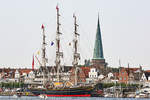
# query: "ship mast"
{"points": [[76, 56], [43, 54], [58, 53]]}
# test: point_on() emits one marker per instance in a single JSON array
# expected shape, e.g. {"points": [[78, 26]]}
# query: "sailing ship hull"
{"points": [[88, 91], [63, 93]]}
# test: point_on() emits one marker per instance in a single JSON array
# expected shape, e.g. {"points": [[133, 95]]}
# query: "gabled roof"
{"points": [[86, 71], [132, 69], [11, 72], [147, 71], [147, 74], [27, 71]]}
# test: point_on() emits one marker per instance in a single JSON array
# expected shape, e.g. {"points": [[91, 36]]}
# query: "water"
{"points": [[66, 98]]}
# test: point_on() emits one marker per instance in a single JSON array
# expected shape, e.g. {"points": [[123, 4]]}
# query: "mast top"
{"points": [[42, 27], [75, 24], [57, 8]]}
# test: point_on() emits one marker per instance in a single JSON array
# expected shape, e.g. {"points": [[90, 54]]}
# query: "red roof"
{"points": [[86, 70], [131, 69], [27, 71], [11, 72], [116, 74], [147, 71]]}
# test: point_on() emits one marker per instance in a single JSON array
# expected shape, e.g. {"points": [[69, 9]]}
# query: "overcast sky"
{"points": [[125, 27]]}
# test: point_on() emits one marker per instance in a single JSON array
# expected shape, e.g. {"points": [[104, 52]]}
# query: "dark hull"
{"points": [[86, 91], [63, 93]]}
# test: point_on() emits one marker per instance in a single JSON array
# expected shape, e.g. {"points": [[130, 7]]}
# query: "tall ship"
{"points": [[54, 82]]}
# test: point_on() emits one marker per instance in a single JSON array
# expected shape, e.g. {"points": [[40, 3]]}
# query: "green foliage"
{"points": [[107, 85], [111, 69], [12, 85], [123, 85], [133, 85]]}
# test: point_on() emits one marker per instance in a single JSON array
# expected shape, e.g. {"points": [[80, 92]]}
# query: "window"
{"points": [[120, 78], [124, 78]]}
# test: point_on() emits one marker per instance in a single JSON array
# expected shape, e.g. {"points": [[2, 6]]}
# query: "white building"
{"points": [[101, 76], [110, 75], [31, 75], [93, 76], [145, 79], [17, 74], [93, 73]]}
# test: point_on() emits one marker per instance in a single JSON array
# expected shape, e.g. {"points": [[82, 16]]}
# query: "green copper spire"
{"points": [[98, 48]]}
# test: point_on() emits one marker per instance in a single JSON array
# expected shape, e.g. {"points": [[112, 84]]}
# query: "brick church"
{"points": [[98, 60]]}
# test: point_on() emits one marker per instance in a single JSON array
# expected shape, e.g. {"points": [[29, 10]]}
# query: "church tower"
{"points": [[98, 60]]}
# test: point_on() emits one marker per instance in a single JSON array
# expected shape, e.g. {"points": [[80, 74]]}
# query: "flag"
{"points": [[73, 15], [69, 44], [42, 26], [57, 7], [33, 63], [38, 52], [52, 43]]}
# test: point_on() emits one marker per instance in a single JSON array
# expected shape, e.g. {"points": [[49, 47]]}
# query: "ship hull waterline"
{"points": [[63, 93], [82, 95]]}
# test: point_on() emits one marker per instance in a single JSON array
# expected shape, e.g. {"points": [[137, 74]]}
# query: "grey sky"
{"points": [[124, 25]]}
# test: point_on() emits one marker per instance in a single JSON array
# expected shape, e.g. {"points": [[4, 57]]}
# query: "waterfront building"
{"points": [[93, 76], [29, 77], [93, 73], [110, 75], [109, 78], [101, 76], [17, 74], [130, 75], [145, 78]]}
